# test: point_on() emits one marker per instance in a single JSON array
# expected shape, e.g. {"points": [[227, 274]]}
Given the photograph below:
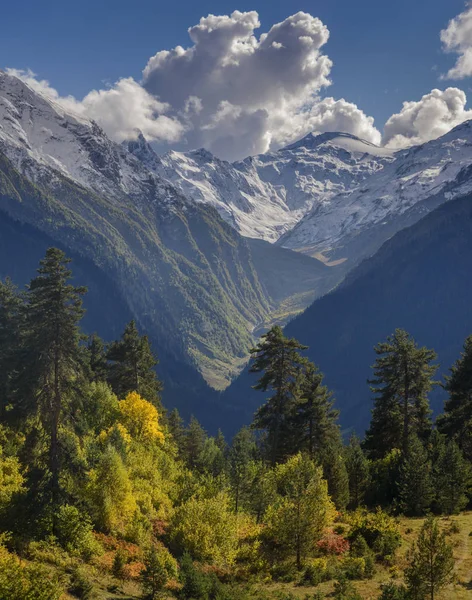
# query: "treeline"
{"points": [[99, 483]]}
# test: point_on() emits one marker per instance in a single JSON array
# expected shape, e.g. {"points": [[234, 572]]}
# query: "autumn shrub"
{"points": [[74, 533], [353, 567], [315, 572], [333, 544]]}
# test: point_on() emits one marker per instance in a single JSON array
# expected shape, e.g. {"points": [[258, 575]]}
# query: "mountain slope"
{"points": [[265, 196], [419, 280], [393, 197], [187, 276]]}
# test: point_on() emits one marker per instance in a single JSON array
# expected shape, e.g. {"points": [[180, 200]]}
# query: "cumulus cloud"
{"points": [[120, 110], [429, 118], [457, 38], [239, 94]]}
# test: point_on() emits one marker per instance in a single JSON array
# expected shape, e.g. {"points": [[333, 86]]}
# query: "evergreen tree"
{"points": [[452, 479], [314, 422], [176, 427], [52, 359], [358, 471], [11, 311], [402, 380], [241, 454], [97, 358], [195, 439], [132, 366], [457, 418], [335, 473], [278, 359], [415, 485], [431, 563]]}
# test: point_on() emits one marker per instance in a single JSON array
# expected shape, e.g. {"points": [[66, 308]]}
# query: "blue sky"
{"points": [[383, 52]]}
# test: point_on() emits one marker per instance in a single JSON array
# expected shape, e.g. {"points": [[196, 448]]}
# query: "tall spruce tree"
{"points": [[132, 366], [402, 380], [241, 455], [457, 418], [97, 358], [358, 471], [278, 359], [452, 479], [52, 360], [415, 482]]}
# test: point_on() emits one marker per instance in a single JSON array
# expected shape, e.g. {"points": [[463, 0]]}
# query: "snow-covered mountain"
{"points": [[265, 196], [398, 192]]}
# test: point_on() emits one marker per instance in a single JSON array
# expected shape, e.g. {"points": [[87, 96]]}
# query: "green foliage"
{"points": [[415, 482], [358, 470], [302, 509], [278, 359], [31, 582], [207, 529], [456, 422], [81, 585], [431, 562], [452, 480], [378, 529], [402, 380], [393, 591], [159, 567], [345, 590], [74, 532], [195, 584]]}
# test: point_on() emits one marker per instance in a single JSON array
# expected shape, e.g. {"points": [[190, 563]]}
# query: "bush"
{"points": [[360, 549], [74, 533], [454, 528], [333, 543], [81, 586], [119, 562], [353, 567], [195, 584], [392, 591], [315, 572], [33, 582], [285, 571], [378, 529], [344, 590]]}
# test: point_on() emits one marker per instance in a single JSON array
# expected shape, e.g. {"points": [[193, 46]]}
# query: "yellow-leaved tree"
{"points": [[302, 510], [140, 418]]}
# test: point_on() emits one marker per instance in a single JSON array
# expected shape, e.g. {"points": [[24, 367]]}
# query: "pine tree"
{"points": [[335, 473], [431, 563], [452, 479], [52, 361], [132, 366], [279, 361], [457, 418], [415, 485], [11, 311], [402, 380], [358, 471]]}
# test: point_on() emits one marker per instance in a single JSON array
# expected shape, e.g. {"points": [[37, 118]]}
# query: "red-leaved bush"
{"points": [[333, 543]]}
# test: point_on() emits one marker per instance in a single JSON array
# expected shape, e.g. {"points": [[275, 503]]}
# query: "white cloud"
{"points": [[457, 38], [253, 93], [120, 110], [429, 118]]}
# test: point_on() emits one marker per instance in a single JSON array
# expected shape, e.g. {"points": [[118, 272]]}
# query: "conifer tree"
{"points": [[415, 484], [314, 422], [132, 366], [358, 471], [457, 418], [11, 305], [452, 479], [176, 427], [52, 360], [97, 358], [241, 453], [402, 380], [431, 563], [278, 359], [195, 439]]}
